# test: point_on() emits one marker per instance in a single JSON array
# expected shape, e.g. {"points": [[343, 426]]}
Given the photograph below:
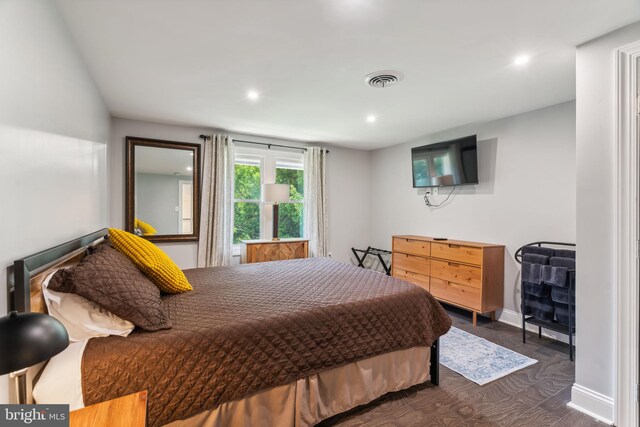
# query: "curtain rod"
{"points": [[208, 137]]}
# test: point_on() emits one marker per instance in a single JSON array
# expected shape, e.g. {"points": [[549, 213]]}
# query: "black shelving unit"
{"points": [[553, 325]]}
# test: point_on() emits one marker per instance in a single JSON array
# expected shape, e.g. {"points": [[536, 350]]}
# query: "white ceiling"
{"points": [[164, 161], [192, 61]]}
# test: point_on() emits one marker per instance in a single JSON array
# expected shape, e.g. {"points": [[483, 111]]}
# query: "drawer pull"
{"points": [[454, 246], [454, 264]]}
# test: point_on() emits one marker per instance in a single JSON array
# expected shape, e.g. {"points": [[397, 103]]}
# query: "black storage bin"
{"points": [[561, 312], [539, 307]]}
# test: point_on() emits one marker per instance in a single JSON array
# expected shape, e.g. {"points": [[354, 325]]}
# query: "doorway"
{"points": [[185, 207], [627, 235]]}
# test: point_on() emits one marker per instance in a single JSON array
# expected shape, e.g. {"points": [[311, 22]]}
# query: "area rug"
{"points": [[477, 359]]}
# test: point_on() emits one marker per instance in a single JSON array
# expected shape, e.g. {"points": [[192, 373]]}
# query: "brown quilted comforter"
{"points": [[251, 327]]}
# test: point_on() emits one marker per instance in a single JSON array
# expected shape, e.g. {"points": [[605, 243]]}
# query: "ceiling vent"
{"points": [[382, 79]]}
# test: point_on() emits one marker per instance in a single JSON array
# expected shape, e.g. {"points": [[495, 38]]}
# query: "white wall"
{"points": [[596, 203], [347, 181], [526, 189], [53, 133], [158, 197]]}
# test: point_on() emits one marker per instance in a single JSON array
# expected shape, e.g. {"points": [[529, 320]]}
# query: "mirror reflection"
{"points": [[164, 191], [164, 194]]}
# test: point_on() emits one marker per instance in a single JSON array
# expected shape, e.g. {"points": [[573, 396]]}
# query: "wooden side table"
{"points": [[273, 250], [126, 411]]}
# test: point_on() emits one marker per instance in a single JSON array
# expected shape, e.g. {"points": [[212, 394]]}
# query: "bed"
{"points": [[280, 343]]}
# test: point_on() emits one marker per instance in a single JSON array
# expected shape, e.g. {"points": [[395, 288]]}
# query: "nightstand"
{"points": [[126, 411], [273, 250]]}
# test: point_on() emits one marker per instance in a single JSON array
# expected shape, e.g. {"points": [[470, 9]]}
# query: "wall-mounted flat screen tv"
{"points": [[446, 163]]}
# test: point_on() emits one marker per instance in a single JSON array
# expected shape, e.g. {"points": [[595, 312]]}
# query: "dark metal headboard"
{"points": [[25, 268]]}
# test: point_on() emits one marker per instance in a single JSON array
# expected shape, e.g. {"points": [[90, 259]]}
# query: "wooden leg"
{"points": [[493, 316], [475, 318]]}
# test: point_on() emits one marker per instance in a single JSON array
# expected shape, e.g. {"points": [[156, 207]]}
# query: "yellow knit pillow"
{"points": [[146, 228], [151, 260]]}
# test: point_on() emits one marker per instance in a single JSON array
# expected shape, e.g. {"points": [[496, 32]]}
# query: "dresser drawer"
{"points": [[465, 296], [415, 278], [410, 246], [417, 264], [459, 273], [453, 252], [273, 251]]}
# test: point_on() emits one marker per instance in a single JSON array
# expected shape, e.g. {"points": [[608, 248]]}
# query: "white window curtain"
{"points": [[315, 201], [215, 245]]}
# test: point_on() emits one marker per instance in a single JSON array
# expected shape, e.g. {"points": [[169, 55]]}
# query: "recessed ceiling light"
{"points": [[371, 118], [189, 168], [253, 95], [522, 60]]}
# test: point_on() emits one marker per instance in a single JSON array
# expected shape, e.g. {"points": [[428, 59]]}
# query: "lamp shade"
{"points": [[275, 193], [27, 339]]}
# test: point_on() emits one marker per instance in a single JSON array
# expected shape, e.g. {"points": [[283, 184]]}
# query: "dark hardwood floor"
{"points": [[534, 396]]}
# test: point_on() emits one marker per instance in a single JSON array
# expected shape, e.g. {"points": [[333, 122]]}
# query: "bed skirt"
{"points": [[309, 400]]}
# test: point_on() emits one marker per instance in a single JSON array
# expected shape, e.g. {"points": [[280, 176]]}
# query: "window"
{"points": [[253, 167], [246, 208], [442, 165], [291, 214]]}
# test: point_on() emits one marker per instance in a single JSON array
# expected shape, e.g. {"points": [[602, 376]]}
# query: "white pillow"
{"points": [[61, 380], [83, 318]]}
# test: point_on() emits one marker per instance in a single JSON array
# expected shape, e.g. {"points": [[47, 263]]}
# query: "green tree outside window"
{"points": [[247, 209], [246, 224], [290, 219]]}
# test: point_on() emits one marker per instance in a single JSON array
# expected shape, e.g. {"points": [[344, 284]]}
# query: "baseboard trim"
{"points": [[513, 318], [592, 403]]}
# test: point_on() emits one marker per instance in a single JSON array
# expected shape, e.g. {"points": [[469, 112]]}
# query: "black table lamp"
{"points": [[276, 194], [27, 339]]}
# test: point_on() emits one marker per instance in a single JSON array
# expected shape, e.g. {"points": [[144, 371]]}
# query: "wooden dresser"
{"points": [[469, 275], [273, 250]]}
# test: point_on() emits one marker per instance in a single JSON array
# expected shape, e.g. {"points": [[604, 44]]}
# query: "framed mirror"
{"points": [[162, 189]]}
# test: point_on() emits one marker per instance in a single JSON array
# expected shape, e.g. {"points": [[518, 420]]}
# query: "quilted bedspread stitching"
{"points": [[251, 327]]}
